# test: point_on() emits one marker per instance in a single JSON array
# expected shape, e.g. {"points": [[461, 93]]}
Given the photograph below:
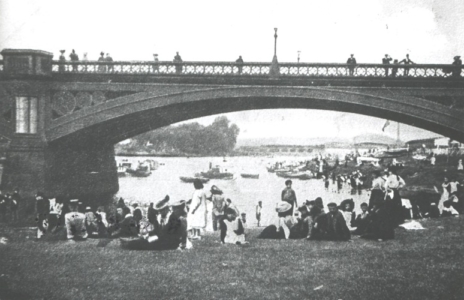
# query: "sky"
{"points": [[431, 31]]}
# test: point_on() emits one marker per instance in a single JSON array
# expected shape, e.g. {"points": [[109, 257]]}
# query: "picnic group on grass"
{"points": [[168, 224]]}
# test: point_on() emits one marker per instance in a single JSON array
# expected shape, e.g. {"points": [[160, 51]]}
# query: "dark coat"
{"points": [[331, 227]]}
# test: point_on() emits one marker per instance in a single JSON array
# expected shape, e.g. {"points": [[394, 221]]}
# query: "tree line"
{"points": [[217, 139]]}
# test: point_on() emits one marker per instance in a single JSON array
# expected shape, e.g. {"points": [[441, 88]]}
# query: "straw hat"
{"points": [[162, 204], [283, 207]]}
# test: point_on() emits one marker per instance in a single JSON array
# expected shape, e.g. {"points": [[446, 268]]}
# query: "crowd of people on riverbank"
{"points": [[168, 224]]}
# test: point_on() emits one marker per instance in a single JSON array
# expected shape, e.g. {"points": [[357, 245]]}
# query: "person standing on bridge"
{"points": [[395, 68], [156, 64], [239, 62], [62, 60], [74, 58], [456, 71], [101, 59], [351, 62], [178, 63], [406, 61], [386, 61], [109, 59]]}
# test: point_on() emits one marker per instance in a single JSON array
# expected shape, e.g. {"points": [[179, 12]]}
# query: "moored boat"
{"points": [[298, 175], [254, 176], [192, 179], [141, 171], [216, 173]]}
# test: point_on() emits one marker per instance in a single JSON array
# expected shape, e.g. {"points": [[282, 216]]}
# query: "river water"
{"points": [[244, 193]]}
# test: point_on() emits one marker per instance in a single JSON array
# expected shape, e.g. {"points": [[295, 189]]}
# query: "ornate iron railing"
{"points": [[257, 69]]}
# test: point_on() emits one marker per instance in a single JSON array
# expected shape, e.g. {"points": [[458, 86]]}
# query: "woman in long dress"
{"points": [[377, 191], [393, 199], [196, 217], [444, 195]]}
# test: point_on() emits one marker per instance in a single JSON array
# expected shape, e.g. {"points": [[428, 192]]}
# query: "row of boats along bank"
{"points": [[298, 170]]}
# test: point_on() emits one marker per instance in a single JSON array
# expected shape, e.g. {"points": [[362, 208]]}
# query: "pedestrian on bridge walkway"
{"points": [[386, 61], [406, 61], [156, 64], [102, 68], [457, 63], [74, 58], [178, 63], [239, 62], [62, 59], [109, 59], [351, 64]]}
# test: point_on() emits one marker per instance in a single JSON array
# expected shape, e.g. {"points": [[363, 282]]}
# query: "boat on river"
{"points": [[246, 175], [296, 175], [141, 171], [192, 179], [216, 173]]}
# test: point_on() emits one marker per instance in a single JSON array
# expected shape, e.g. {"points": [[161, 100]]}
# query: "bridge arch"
{"points": [[128, 116]]}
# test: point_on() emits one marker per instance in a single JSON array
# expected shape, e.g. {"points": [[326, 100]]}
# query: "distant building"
{"points": [[433, 143]]}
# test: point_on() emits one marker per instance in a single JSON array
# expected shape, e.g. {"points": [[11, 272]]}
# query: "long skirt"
{"points": [[198, 219], [397, 211], [377, 197]]}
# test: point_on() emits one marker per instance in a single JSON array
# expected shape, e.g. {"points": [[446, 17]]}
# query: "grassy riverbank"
{"points": [[425, 264]]}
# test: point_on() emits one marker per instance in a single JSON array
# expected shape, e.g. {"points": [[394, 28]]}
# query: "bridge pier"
{"points": [[85, 170]]}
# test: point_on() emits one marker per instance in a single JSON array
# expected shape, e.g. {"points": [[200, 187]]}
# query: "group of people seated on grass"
{"points": [[163, 226], [175, 224], [378, 219]]}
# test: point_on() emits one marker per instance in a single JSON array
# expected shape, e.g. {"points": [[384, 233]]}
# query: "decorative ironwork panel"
{"points": [[83, 99], [63, 102]]}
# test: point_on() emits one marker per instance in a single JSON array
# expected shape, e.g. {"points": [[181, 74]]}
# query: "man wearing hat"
{"points": [[285, 219], [331, 226], [161, 221], [351, 62], [75, 222], [219, 204], [169, 233], [156, 64], [74, 58], [91, 221], [386, 61]]}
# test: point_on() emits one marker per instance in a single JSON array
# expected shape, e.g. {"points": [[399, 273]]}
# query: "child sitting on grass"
{"points": [[232, 229]]}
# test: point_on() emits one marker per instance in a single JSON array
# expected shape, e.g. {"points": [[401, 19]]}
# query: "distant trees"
{"points": [[219, 139]]}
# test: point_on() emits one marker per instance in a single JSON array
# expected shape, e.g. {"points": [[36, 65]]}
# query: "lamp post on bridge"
{"points": [[299, 56], [274, 71]]}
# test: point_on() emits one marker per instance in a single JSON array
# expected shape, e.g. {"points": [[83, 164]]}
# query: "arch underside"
{"points": [[122, 119]]}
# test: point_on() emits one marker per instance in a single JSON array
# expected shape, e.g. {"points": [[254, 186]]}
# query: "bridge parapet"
{"points": [[257, 69], [26, 62]]}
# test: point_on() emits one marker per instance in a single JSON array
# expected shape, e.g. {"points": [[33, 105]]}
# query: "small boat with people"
{"points": [[188, 179], [246, 175]]}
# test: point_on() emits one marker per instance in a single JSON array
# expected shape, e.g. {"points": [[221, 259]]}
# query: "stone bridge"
{"points": [[63, 118]]}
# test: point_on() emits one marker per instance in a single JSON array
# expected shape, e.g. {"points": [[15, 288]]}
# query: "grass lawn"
{"points": [[426, 264]]}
